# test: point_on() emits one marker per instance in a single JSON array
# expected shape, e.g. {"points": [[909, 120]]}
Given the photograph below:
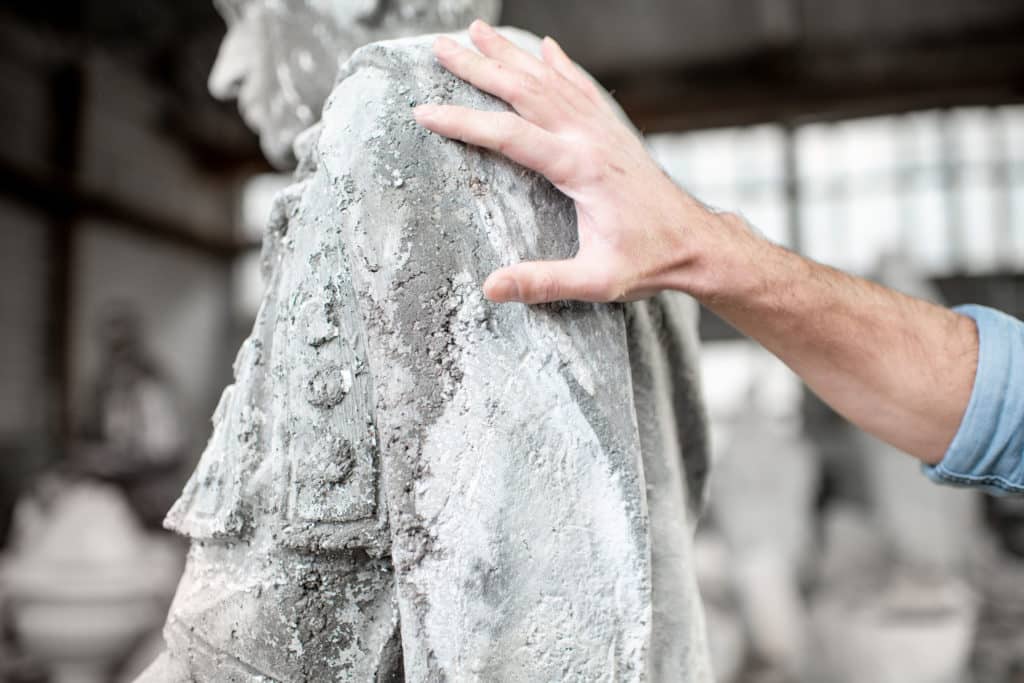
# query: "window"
{"points": [[944, 187]]}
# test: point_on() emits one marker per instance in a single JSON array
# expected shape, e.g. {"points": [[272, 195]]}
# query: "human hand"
{"points": [[638, 232]]}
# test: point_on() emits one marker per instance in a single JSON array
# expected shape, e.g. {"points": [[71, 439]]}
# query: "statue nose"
{"points": [[234, 60]]}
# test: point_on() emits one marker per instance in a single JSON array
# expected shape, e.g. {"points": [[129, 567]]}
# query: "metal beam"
{"points": [[50, 198], [818, 85], [66, 86]]}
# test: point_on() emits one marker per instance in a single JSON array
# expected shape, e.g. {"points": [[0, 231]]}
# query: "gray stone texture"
{"points": [[406, 481]]}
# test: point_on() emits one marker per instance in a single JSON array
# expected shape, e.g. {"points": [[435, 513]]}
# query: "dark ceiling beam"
{"points": [[816, 84], [171, 45], [66, 97], [740, 106], [57, 199]]}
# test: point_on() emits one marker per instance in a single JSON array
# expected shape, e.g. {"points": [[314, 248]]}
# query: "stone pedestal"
{"points": [[914, 630], [85, 583]]}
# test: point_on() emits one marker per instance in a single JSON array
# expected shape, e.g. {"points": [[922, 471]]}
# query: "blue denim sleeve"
{"points": [[988, 449]]}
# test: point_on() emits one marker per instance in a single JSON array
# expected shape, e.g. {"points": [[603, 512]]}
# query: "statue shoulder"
{"points": [[411, 59], [382, 82]]}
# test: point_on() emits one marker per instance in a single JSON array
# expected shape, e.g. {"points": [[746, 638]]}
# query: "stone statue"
{"points": [[894, 600], [763, 497], [406, 482]]}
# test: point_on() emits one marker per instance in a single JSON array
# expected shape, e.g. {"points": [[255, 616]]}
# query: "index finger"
{"points": [[524, 91], [521, 141], [550, 74], [499, 48]]}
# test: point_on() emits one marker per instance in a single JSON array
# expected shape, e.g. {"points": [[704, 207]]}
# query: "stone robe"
{"points": [[408, 482]]}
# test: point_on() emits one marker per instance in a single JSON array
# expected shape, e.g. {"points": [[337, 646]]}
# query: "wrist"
{"points": [[728, 262]]}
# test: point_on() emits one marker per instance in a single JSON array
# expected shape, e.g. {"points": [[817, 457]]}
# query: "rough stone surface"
{"points": [[406, 481]]}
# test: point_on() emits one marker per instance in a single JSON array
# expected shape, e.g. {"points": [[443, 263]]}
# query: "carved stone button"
{"points": [[328, 386], [317, 327]]}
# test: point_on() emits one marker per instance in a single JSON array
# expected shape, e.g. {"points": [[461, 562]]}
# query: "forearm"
{"points": [[897, 367]]}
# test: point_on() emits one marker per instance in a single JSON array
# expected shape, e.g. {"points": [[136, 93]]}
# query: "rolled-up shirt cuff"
{"points": [[988, 450]]}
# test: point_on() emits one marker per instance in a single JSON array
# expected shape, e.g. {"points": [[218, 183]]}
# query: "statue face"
{"points": [[280, 57], [120, 332]]}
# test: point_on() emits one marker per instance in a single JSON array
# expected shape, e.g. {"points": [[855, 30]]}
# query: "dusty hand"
{"points": [[636, 227]]}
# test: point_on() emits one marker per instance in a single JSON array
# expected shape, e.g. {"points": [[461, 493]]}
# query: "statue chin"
{"points": [[276, 140], [277, 148]]}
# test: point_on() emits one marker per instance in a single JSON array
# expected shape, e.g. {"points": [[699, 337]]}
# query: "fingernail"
{"points": [[444, 45], [481, 25], [552, 43], [424, 112], [501, 289]]}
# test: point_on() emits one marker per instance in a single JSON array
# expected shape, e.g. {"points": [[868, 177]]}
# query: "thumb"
{"points": [[537, 282]]}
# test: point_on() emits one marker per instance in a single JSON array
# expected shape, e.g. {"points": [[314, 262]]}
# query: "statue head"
{"points": [[120, 333], [280, 57]]}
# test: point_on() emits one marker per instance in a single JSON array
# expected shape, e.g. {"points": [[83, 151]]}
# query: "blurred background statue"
{"points": [[132, 435], [88, 573], [763, 506], [404, 480], [896, 603], [757, 542]]}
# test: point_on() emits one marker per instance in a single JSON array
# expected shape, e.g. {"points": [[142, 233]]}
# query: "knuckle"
{"points": [[550, 79], [601, 286], [563, 170], [508, 121], [606, 167], [607, 288], [598, 153], [590, 88], [506, 130], [529, 85], [547, 287], [591, 164]]}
